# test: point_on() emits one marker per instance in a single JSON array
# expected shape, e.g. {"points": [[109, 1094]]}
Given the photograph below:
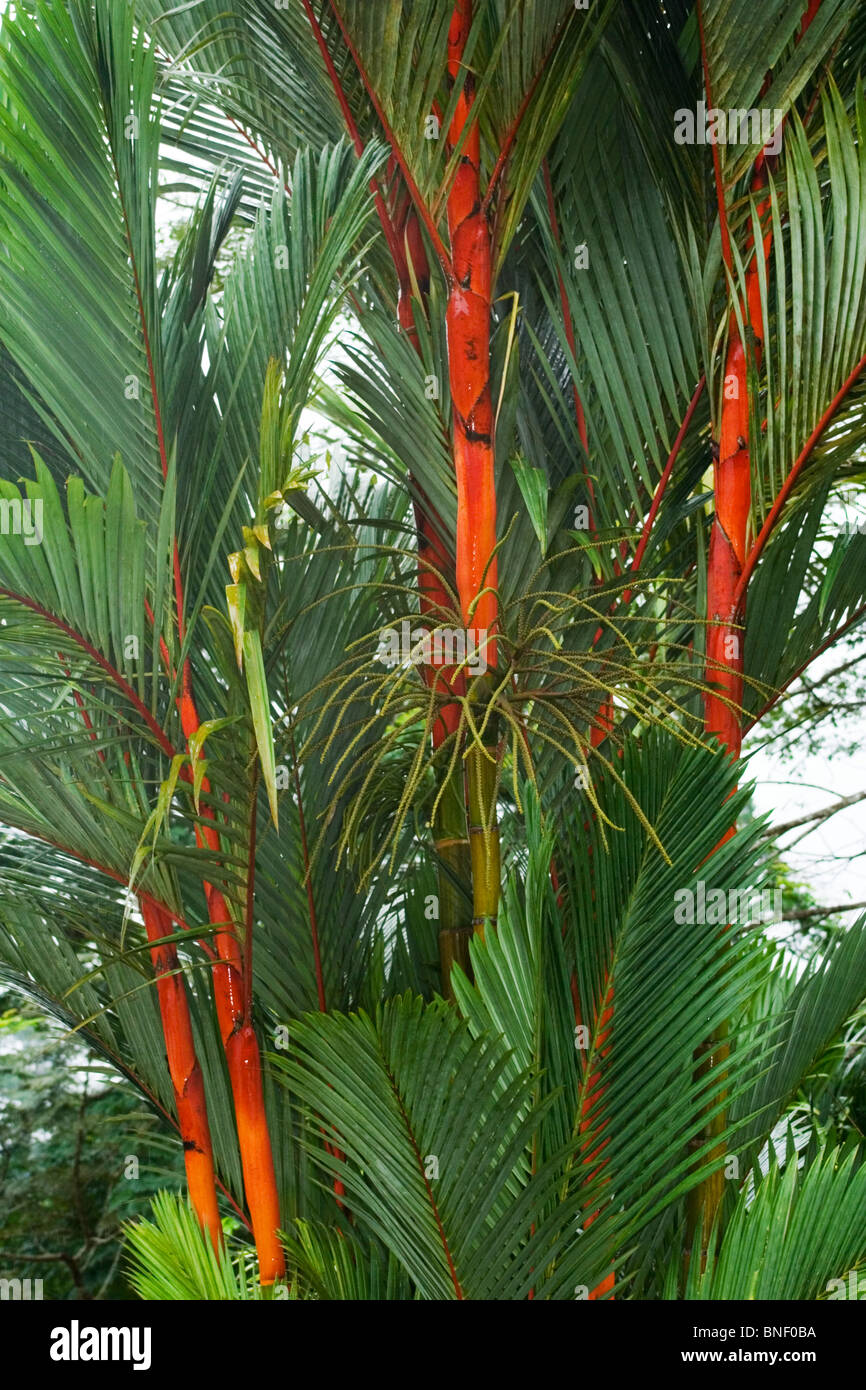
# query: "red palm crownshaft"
{"points": [[468, 324]]}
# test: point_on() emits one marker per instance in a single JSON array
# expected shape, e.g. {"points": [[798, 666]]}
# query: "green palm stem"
{"points": [[452, 849], [483, 837]]}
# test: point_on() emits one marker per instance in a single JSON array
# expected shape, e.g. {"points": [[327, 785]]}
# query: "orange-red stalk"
{"points": [[243, 1060], [402, 231], [185, 1071], [728, 561], [468, 325], [241, 1046], [411, 264]]}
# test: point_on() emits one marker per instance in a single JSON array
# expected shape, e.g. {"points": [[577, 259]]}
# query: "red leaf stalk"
{"points": [[727, 555], [254, 1141], [245, 1074], [603, 724], [185, 1071]]}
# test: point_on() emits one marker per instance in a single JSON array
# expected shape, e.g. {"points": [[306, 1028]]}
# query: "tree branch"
{"points": [[828, 642], [803, 914], [824, 814]]}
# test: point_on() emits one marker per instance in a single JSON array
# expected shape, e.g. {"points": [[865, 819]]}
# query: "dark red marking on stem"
{"points": [[662, 484]]}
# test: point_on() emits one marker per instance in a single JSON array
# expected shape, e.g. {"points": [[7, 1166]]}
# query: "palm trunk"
{"points": [[241, 1051], [725, 642], [468, 325], [185, 1071], [728, 571], [449, 833], [402, 232], [254, 1140], [449, 828], [468, 322]]}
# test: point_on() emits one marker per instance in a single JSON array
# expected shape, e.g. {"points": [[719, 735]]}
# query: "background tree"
{"points": [[79, 1156]]}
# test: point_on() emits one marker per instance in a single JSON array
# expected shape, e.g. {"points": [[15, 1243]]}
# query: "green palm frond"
{"points": [[804, 1023], [430, 1145], [89, 228], [800, 599], [630, 296], [743, 44], [170, 1258], [817, 310], [339, 1266], [796, 1236]]}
